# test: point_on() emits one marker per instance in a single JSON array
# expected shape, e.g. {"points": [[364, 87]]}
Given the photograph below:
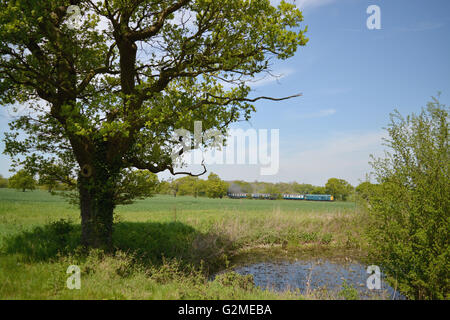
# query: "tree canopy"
{"points": [[3, 182], [190, 186], [409, 208], [107, 95], [215, 187], [22, 180], [339, 188]]}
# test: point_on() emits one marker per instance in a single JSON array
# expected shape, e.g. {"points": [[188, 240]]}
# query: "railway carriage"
{"points": [[293, 196], [319, 197], [237, 195], [268, 196]]}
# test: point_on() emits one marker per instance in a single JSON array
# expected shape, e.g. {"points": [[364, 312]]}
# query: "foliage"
{"points": [[338, 188], [22, 180], [101, 101], [136, 184], [3, 182], [131, 185], [50, 184], [409, 211], [326, 238], [273, 190], [303, 188], [186, 186], [239, 186], [235, 280], [201, 187], [348, 292], [365, 189], [191, 186], [319, 190], [215, 187], [308, 237], [164, 187], [174, 186]]}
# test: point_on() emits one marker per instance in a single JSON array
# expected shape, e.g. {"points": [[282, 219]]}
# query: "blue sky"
{"points": [[351, 79]]}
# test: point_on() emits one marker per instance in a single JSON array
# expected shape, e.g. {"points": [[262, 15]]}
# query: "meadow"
{"points": [[165, 247]]}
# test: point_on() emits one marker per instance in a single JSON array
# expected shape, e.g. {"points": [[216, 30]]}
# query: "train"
{"points": [[268, 196]]}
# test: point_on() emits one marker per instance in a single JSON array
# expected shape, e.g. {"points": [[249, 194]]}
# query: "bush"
{"points": [[235, 280], [339, 188], [308, 237], [22, 180], [409, 212], [348, 292], [326, 238], [215, 187], [3, 182]]}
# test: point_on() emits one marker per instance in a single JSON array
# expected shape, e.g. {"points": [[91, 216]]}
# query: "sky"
{"points": [[350, 78]]}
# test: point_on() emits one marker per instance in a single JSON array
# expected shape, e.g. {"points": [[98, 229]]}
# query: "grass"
{"points": [[166, 247]]}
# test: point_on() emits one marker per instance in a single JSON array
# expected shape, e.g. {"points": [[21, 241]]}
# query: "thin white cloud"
{"points": [[317, 114], [343, 155], [423, 26]]}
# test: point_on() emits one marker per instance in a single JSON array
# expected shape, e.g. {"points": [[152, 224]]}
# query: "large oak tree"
{"points": [[104, 96]]}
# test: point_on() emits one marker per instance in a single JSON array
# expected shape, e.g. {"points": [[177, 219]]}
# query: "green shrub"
{"points": [[348, 292], [235, 280], [3, 182], [22, 181], [308, 237], [351, 240], [410, 210], [326, 238]]}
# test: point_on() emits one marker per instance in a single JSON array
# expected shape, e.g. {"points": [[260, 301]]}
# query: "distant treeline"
{"points": [[24, 181], [214, 187], [3, 182]]}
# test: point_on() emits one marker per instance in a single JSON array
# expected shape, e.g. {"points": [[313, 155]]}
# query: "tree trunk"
{"points": [[97, 208]]}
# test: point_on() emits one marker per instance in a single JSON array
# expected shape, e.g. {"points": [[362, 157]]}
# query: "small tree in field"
{"points": [[410, 208], [339, 188], [136, 184], [319, 190], [215, 187], [164, 187], [186, 185], [3, 182], [107, 94], [22, 180]]}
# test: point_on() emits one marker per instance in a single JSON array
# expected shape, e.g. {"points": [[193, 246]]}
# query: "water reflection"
{"points": [[311, 275]]}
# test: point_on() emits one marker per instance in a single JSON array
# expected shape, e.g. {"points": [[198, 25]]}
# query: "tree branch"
{"points": [[154, 29]]}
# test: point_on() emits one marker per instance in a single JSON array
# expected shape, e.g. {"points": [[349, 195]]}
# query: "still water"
{"points": [[313, 275]]}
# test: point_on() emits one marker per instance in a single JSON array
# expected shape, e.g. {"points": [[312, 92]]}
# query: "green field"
{"points": [[165, 247]]}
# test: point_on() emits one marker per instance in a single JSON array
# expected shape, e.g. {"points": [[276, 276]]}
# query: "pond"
{"points": [[324, 277]]}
